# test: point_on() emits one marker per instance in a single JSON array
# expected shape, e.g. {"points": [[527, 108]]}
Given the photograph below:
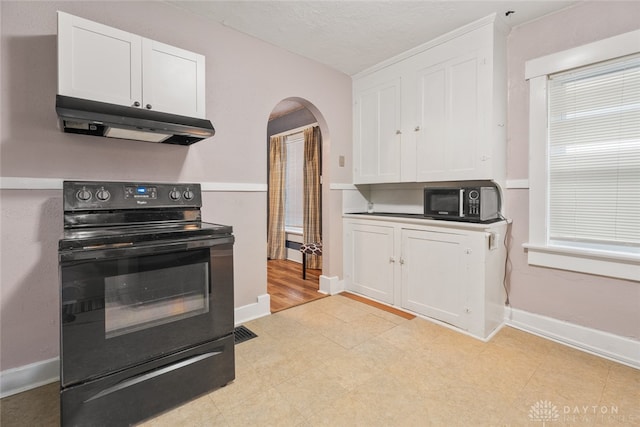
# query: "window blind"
{"points": [[594, 156], [294, 180]]}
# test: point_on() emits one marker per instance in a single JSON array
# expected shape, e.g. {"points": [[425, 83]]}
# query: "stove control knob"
{"points": [[83, 195], [175, 195], [103, 195], [188, 195]]}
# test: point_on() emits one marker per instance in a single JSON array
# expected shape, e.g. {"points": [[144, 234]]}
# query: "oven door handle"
{"points": [[153, 374], [120, 250]]}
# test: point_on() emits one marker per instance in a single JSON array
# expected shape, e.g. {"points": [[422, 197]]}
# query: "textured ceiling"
{"points": [[351, 36]]}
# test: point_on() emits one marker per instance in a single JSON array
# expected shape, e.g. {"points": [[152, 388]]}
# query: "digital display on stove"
{"points": [[140, 191]]}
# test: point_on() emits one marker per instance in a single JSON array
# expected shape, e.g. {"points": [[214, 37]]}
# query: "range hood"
{"points": [[115, 121]]}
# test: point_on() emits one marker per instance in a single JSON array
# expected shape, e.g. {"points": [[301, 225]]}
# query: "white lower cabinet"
{"points": [[369, 252], [452, 272], [434, 266]]}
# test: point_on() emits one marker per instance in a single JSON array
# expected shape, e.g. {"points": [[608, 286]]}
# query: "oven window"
{"points": [[139, 300]]}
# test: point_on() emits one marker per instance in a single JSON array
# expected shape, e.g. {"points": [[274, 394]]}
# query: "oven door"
{"points": [[126, 304]]}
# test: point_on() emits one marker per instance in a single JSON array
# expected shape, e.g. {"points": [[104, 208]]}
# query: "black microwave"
{"points": [[474, 204]]}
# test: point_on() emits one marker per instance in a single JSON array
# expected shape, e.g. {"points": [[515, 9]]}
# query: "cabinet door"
{"points": [[449, 117], [369, 260], [434, 275], [377, 135], [173, 79], [97, 62]]}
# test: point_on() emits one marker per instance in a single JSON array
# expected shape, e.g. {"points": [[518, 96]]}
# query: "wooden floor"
{"points": [[378, 305], [286, 287]]}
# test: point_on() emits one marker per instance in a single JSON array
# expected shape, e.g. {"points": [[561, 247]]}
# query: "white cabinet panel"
{"points": [[369, 267], [464, 112], [431, 152], [376, 131], [98, 62], [449, 116], [173, 79], [434, 275]]}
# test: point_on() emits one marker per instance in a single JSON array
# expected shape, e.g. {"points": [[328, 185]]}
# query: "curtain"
{"points": [[275, 228], [312, 209]]}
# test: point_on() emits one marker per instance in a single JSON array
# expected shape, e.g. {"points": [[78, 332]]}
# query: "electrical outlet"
{"points": [[493, 241], [341, 161]]}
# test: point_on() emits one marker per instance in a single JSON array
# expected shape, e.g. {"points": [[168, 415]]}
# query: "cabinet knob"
{"points": [[136, 104], [392, 259], [401, 261], [416, 129], [398, 132], [148, 106]]}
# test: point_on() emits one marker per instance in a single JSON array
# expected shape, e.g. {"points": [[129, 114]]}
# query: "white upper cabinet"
{"points": [[97, 62], [449, 142], [452, 108], [377, 141], [172, 79], [101, 63]]}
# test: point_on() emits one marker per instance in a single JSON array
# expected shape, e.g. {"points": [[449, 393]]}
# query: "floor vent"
{"points": [[242, 334]]}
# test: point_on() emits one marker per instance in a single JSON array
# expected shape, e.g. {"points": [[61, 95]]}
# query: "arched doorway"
{"points": [[294, 202]]}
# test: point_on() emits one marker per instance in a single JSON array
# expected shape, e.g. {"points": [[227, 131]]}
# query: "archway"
{"points": [[290, 203]]}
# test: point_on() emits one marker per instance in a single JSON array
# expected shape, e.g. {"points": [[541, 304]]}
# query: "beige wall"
{"points": [[245, 79], [596, 302]]}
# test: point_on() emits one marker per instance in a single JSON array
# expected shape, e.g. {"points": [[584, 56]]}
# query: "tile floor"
{"points": [[339, 362]]}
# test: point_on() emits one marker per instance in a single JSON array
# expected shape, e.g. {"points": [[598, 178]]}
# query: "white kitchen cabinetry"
{"points": [[369, 251], [452, 109], [377, 137], [452, 105], [434, 266], [449, 271], [100, 63]]}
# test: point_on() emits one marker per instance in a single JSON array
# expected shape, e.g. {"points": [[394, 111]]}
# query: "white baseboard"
{"points": [[253, 311], [23, 378], [613, 347], [331, 285]]}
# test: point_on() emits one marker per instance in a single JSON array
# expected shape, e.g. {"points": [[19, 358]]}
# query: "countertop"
{"points": [[422, 220]]}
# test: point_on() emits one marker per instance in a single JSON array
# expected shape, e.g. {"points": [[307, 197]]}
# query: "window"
{"points": [[585, 159], [294, 181], [594, 156]]}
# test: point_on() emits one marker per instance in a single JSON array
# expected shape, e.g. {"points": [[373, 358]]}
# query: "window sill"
{"points": [[585, 261]]}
